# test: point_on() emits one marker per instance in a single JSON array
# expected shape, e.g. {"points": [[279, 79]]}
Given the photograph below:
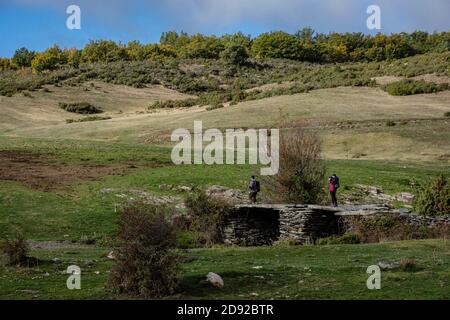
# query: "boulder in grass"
{"points": [[389, 265], [405, 197], [215, 280]]}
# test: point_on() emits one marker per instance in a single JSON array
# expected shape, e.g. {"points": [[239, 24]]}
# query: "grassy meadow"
{"points": [[279, 272], [64, 181]]}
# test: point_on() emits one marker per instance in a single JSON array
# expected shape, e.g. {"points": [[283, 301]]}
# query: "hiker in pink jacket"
{"points": [[333, 185]]}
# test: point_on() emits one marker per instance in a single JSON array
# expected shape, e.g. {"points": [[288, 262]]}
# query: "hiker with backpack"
{"points": [[254, 188], [333, 186]]}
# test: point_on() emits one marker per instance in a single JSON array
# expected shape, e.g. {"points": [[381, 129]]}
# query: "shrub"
{"points": [[301, 174], [188, 240], [200, 46], [434, 198], [74, 57], [380, 223], [372, 229], [235, 54], [104, 51], [348, 238], [278, 45], [145, 265], [49, 59], [6, 64], [391, 123], [23, 57], [408, 265], [16, 248], [410, 87], [80, 108], [186, 103], [447, 114], [207, 216]]}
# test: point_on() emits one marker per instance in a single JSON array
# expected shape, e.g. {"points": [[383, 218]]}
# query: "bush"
{"points": [[235, 54], [80, 108], [408, 265], [410, 87], [104, 51], [373, 229], [390, 123], [188, 240], [207, 216], [145, 265], [6, 64], [348, 238], [16, 248], [434, 198], [447, 114], [49, 59], [380, 223], [23, 57], [302, 171], [200, 46], [278, 45], [186, 103]]}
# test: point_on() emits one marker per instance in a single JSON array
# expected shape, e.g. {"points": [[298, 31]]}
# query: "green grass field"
{"points": [[279, 272], [369, 138], [82, 210]]}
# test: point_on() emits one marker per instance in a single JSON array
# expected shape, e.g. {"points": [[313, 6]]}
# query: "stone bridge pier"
{"points": [[263, 224]]}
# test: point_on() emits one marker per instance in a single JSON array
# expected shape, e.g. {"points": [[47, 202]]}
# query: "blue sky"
{"points": [[38, 24]]}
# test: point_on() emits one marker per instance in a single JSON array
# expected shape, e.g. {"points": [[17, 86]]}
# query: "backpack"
{"points": [[258, 186], [336, 182]]}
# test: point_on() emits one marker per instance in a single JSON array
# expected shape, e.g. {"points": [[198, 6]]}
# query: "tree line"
{"points": [[305, 45]]}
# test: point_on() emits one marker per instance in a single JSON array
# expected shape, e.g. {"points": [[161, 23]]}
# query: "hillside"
{"points": [[62, 183], [345, 117], [41, 109]]}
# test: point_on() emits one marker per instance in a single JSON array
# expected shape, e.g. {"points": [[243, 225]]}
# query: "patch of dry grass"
{"points": [[41, 117]]}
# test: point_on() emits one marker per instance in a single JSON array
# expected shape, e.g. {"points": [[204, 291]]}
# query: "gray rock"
{"points": [[215, 280], [405, 197], [389, 265]]}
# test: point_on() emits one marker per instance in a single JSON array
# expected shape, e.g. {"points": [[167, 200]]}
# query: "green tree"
{"points": [[74, 57], [419, 40], [23, 57], [159, 52], [49, 59], [306, 35], [278, 45], [134, 50], [104, 51], [5, 64], [237, 39], [235, 54], [200, 46]]}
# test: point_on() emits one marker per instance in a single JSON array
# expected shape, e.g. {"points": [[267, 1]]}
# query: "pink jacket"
{"points": [[331, 186]]}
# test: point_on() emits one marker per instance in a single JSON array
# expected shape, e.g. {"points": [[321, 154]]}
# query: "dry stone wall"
{"points": [[253, 225]]}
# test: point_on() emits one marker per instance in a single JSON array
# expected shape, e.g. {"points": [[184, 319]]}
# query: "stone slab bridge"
{"points": [[263, 224]]}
